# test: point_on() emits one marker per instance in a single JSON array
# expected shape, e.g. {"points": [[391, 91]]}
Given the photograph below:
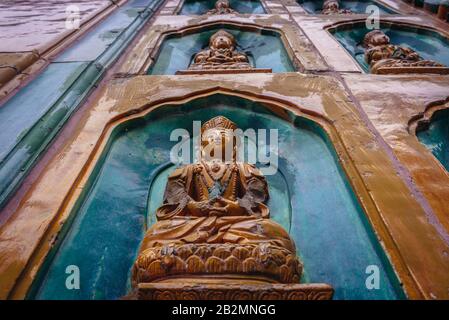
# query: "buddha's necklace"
{"points": [[217, 189]]}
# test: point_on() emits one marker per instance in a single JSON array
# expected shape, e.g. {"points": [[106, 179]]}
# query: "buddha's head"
{"points": [[331, 5], [222, 40], [218, 142], [375, 38], [222, 4]]}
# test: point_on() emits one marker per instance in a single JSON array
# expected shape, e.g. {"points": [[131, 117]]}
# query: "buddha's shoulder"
{"points": [[249, 169], [184, 171]]}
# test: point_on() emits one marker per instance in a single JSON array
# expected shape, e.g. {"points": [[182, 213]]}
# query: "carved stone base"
{"points": [[223, 71], [244, 291], [401, 70], [224, 261]]}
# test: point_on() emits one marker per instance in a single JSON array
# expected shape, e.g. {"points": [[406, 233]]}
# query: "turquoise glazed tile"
{"points": [[20, 113], [89, 47]]}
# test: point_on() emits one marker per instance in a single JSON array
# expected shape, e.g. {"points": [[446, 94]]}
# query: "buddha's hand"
{"points": [[231, 208], [204, 209], [199, 208]]}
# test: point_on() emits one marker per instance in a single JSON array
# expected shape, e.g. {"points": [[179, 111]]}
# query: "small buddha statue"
{"points": [[220, 55], [382, 56], [214, 224], [221, 7], [333, 7]]}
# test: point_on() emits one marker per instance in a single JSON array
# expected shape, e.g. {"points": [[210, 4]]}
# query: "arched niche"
{"points": [[433, 132], [311, 198], [429, 44], [199, 7], [265, 48], [358, 6]]}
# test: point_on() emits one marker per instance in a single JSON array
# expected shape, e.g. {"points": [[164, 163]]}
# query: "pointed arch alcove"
{"points": [[359, 6], [429, 43], [264, 47], [432, 130], [311, 197], [199, 7]]}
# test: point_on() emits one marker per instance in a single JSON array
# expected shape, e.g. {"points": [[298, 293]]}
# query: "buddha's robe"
{"points": [[240, 182]]}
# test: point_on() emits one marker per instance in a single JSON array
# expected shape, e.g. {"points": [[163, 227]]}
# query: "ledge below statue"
{"points": [[240, 290], [223, 71], [417, 69]]}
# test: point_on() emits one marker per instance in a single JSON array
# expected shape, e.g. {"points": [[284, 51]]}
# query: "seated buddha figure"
{"points": [[381, 55], [214, 222], [333, 7], [221, 7], [221, 54]]}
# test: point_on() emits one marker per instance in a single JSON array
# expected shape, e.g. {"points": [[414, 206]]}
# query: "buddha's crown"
{"points": [[219, 122], [222, 33]]}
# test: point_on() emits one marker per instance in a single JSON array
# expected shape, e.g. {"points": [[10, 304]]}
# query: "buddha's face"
{"points": [[379, 39], [222, 42], [222, 4], [218, 145], [332, 5]]}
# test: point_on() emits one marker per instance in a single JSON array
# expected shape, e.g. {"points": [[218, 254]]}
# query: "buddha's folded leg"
{"points": [[255, 231], [234, 229], [179, 231]]}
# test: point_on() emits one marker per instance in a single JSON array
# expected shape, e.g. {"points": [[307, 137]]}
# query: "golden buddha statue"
{"points": [[213, 230], [384, 57], [221, 54], [221, 7], [333, 7]]}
